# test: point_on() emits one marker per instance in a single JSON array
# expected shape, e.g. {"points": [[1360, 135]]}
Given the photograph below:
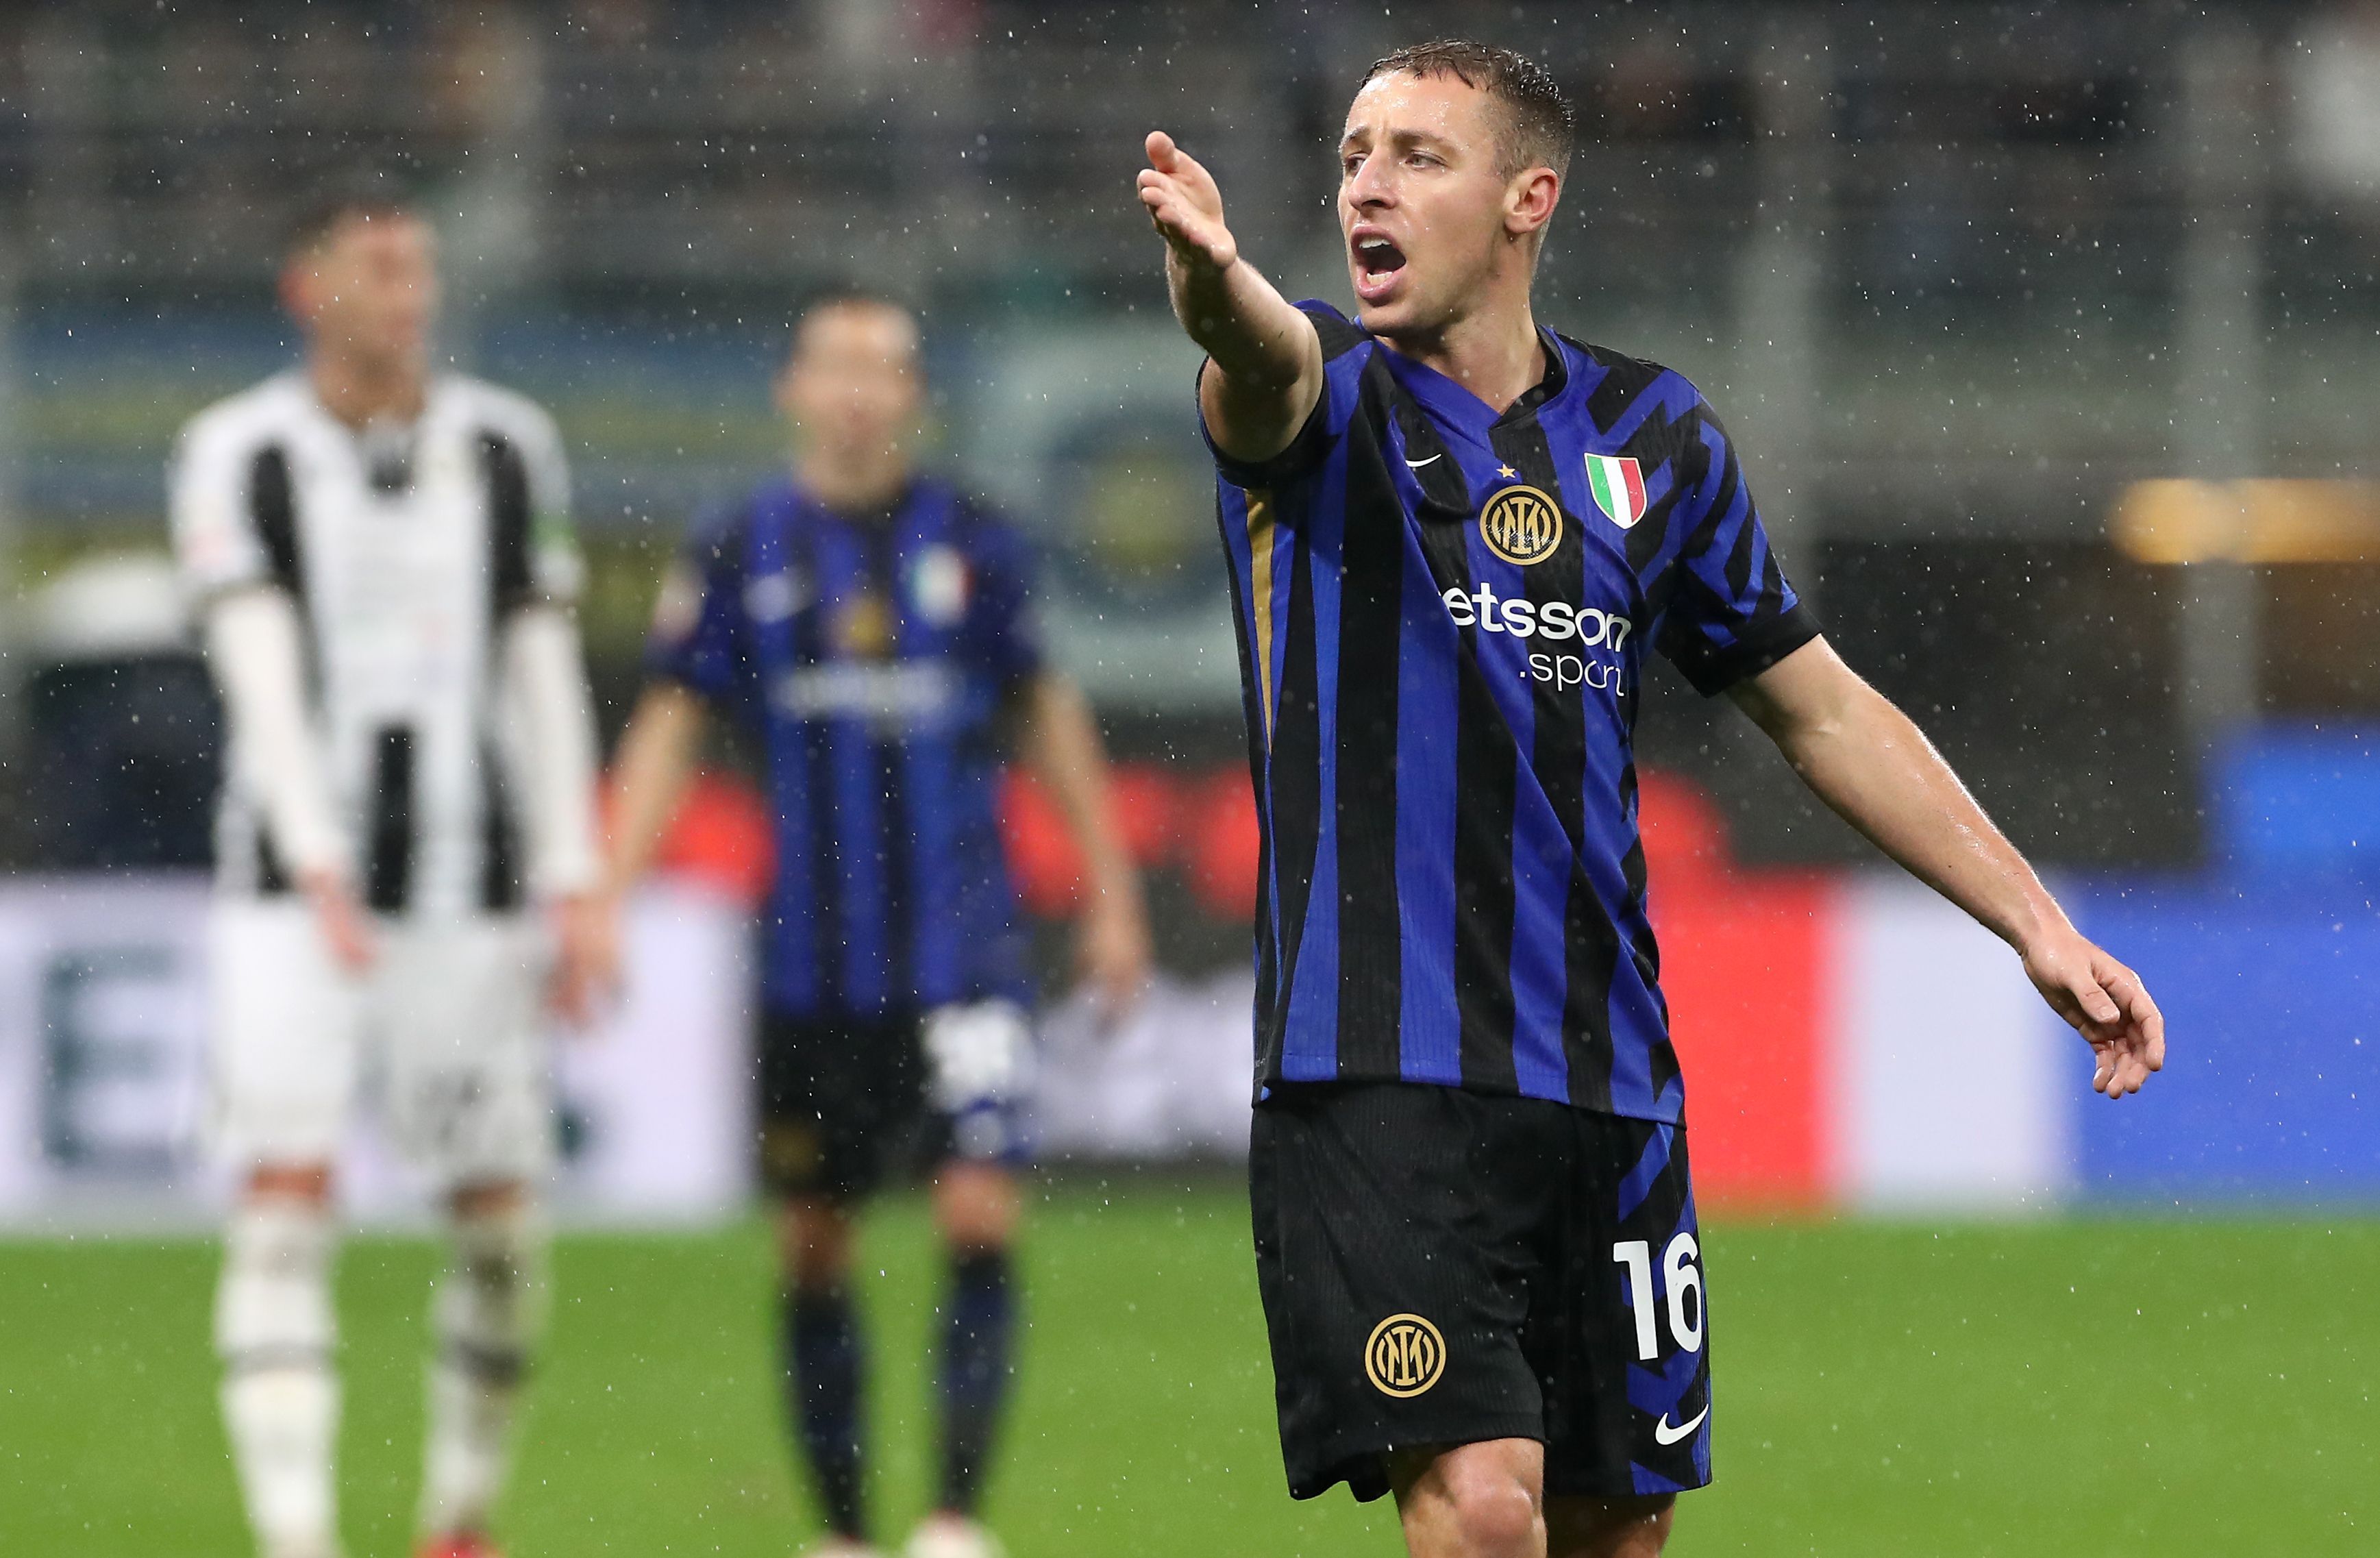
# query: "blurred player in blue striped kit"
{"points": [[1451, 536], [871, 626]]}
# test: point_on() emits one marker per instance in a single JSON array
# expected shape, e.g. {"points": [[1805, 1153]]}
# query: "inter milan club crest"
{"points": [[1618, 486], [1404, 1357], [863, 627], [1521, 525]]}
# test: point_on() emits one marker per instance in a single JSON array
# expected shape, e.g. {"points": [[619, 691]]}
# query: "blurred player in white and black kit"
{"points": [[384, 566]]}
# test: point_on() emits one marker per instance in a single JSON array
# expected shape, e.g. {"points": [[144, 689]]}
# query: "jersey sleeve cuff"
{"points": [[1714, 670], [1304, 451]]}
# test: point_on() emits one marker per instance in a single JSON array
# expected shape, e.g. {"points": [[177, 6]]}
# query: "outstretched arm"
{"points": [[1266, 372], [1866, 759]]}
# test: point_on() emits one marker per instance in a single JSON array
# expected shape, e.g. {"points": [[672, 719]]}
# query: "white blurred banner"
{"points": [[1172, 1079], [103, 1069], [103, 1066]]}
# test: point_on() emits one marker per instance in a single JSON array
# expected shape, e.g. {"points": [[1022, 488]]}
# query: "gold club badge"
{"points": [[862, 628], [1405, 1356], [1521, 525]]}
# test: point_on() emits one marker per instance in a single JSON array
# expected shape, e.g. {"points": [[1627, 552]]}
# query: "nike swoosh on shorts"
{"points": [[1664, 1434]]}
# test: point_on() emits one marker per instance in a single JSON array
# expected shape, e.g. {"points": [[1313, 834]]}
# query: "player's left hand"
{"points": [[587, 957], [1113, 953], [1185, 206], [2108, 1004]]}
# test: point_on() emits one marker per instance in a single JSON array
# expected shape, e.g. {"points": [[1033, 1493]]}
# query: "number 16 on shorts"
{"points": [[1681, 1285]]}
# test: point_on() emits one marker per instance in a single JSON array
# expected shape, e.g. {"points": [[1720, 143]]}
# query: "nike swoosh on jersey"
{"points": [[1664, 1434], [1418, 464]]}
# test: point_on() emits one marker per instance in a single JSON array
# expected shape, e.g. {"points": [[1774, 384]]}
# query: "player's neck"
{"points": [[360, 393], [855, 484], [1493, 352]]}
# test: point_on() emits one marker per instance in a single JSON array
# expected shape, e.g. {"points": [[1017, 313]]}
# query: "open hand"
{"points": [[1185, 206], [2108, 1004], [347, 929], [587, 957], [1111, 952]]}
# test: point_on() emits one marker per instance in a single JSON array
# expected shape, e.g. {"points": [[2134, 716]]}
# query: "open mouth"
{"points": [[1377, 255]]}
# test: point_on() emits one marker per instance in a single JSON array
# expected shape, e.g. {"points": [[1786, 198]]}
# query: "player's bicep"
{"points": [[1003, 622], [557, 569], [1807, 689], [694, 642], [1734, 614]]}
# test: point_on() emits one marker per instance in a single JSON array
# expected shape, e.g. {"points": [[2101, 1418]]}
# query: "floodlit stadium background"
{"points": [[2052, 336]]}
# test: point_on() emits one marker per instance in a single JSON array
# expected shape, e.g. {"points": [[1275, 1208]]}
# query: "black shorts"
{"points": [[1441, 1268], [848, 1105]]}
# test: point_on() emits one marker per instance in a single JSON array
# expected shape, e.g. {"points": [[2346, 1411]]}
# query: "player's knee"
{"points": [[1496, 1511], [494, 1197], [492, 1304], [290, 1182], [814, 1242], [273, 1307], [976, 1206]]}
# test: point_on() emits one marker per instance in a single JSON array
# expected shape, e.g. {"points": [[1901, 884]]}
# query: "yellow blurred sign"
{"points": [[2269, 520]]}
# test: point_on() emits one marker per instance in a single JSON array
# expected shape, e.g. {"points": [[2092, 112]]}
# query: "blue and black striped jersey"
{"points": [[1443, 618], [871, 657]]}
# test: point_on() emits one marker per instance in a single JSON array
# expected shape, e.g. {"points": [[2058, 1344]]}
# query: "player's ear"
{"points": [[1529, 201], [780, 388], [296, 287]]}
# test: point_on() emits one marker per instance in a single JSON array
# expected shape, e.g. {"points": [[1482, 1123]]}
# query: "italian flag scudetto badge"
{"points": [[1618, 486]]}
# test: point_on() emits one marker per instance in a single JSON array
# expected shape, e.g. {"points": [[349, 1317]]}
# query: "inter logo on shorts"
{"points": [[1618, 486], [1521, 525], [1405, 1356]]}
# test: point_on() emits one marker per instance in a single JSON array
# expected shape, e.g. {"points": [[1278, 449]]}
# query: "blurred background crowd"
{"points": [[2052, 334]]}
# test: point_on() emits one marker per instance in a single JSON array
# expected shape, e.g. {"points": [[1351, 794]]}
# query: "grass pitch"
{"points": [[2100, 1388]]}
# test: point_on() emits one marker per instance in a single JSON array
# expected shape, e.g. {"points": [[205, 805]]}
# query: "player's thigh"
{"points": [[1394, 1290], [457, 1007], [283, 1035], [1622, 1335], [972, 1136], [842, 1100]]}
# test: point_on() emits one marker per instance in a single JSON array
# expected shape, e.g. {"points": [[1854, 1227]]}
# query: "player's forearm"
{"points": [[1264, 371], [1870, 762], [546, 687], [1063, 751], [254, 649], [1255, 336], [650, 775]]}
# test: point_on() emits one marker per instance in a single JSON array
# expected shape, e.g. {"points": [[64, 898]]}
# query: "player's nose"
{"points": [[1371, 187]]}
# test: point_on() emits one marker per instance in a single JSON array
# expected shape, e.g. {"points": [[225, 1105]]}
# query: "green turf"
{"points": [[2079, 1388]]}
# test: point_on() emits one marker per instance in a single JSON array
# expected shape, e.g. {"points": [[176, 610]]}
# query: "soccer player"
{"points": [[382, 559], [870, 625], [1450, 537]]}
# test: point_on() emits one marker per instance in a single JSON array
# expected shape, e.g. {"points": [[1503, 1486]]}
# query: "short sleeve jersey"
{"points": [[1443, 614], [871, 657]]}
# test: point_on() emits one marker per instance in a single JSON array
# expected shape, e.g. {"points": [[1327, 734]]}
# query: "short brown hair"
{"points": [[1539, 128], [371, 193]]}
